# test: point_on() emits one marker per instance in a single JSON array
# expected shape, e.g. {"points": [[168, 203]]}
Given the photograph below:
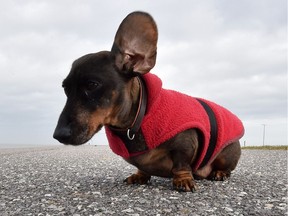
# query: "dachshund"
{"points": [[162, 132]]}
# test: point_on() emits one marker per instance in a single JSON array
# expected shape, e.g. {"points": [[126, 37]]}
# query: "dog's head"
{"points": [[98, 85]]}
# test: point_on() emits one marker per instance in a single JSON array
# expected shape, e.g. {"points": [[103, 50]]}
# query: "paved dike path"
{"points": [[88, 180]]}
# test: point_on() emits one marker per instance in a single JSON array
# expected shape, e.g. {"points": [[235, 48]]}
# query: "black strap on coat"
{"points": [[213, 132]]}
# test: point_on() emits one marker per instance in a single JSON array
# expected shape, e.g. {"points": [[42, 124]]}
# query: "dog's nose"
{"points": [[63, 134]]}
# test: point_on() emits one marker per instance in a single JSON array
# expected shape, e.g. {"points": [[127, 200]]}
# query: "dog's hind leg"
{"points": [[225, 162]]}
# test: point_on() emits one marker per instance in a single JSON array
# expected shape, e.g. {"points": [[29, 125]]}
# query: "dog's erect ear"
{"points": [[135, 43]]}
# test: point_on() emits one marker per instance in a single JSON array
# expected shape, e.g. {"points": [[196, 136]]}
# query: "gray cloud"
{"points": [[233, 53]]}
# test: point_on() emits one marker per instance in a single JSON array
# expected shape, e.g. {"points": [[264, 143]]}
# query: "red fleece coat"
{"points": [[169, 112]]}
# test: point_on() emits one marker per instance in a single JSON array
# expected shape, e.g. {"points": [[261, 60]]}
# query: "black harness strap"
{"points": [[213, 132]]}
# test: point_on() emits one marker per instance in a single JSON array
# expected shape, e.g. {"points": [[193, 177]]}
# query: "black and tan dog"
{"points": [[162, 132]]}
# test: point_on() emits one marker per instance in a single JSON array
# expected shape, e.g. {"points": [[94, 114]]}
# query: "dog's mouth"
{"points": [[68, 136]]}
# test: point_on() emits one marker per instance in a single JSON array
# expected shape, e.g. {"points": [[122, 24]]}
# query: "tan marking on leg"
{"points": [[184, 181], [138, 178]]}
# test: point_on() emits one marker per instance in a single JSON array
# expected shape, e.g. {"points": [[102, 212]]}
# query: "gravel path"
{"points": [[87, 180]]}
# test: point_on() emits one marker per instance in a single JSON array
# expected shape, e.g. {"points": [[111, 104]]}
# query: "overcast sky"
{"points": [[231, 52]]}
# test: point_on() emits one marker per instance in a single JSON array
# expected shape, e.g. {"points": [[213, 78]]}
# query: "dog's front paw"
{"points": [[183, 181], [138, 178]]}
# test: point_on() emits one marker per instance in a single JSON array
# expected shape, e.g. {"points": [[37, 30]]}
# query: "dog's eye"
{"points": [[91, 85]]}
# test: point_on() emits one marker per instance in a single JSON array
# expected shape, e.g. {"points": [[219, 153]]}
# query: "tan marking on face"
{"points": [[91, 122], [100, 117], [96, 119]]}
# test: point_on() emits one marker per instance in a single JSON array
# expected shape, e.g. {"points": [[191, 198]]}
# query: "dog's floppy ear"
{"points": [[135, 44]]}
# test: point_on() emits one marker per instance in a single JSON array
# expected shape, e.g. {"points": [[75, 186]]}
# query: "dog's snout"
{"points": [[63, 134]]}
